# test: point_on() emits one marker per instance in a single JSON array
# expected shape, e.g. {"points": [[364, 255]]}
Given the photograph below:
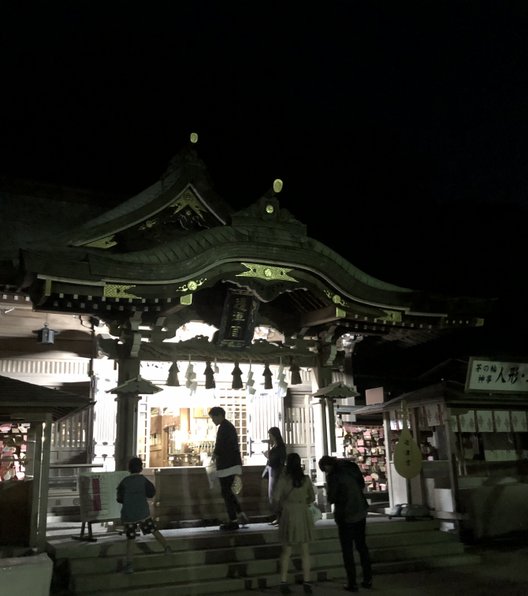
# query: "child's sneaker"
{"points": [[243, 519]]}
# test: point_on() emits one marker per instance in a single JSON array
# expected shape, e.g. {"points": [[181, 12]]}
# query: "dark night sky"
{"points": [[400, 129]]}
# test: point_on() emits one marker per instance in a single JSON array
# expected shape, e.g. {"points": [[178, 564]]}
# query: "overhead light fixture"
{"points": [[45, 335]]}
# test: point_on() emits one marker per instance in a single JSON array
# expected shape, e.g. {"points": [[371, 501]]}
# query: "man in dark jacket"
{"points": [[344, 485], [228, 463]]}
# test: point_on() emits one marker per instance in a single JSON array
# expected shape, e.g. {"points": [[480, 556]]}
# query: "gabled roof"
{"points": [[450, 393], [336, 390], [176, 252], [27, 402], [182, 201]]}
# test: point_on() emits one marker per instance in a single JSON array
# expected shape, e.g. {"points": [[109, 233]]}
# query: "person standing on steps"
{"points": [[344, 486], [294, 494], [133, 492], [276, 458], [228, 462]]}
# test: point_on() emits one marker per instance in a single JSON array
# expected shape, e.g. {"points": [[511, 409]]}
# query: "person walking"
{"points": [[345, 484], [294, 494], [133, 492], [276, 458], [228, 463]]}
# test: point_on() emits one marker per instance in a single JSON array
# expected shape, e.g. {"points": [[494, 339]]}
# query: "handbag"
{"points": [[315, 511], [212, 478], [236, 487]]}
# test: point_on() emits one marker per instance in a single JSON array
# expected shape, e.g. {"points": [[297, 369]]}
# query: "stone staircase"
{"points": [[207, 561]]}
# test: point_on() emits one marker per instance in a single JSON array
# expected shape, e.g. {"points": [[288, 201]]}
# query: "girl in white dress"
{"points": [[295, 493]]}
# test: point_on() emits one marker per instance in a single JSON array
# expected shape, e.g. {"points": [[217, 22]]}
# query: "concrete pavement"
{"points": [[503, 571]]}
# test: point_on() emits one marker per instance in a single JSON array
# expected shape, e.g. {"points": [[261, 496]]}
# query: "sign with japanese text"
{"points": [[495, 376], [238, 319], [407, 455], [97, 495]]}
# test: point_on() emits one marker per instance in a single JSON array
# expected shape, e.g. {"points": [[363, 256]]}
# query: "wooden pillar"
{"points": [[323, 376], [321, 439], [321, 444], [44, 485], [127, 415], [126, 429], [36, 468], [330, 425], [39, 498]]}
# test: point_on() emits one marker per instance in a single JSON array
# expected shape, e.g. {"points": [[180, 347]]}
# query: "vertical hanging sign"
{"points": [[238, 319], [407, 454]]}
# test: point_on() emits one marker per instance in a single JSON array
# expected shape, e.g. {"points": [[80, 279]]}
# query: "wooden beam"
{"points": [[322, 316]]}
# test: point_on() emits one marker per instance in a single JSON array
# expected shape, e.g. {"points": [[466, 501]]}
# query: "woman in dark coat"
{"points": [[276, 459]]}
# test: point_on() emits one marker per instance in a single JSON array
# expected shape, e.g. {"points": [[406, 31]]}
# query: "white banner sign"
{"points": [[494, 376], [97, 495]]}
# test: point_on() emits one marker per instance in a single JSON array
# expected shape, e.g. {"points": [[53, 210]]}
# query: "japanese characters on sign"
{"points": [[496, 376], [238, 319]]}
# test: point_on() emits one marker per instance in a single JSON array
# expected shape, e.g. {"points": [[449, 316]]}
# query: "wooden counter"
{"points": [[183, 494], [496, 510], [15, 511]]}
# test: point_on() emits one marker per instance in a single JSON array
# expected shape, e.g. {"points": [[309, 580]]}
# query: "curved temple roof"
{"points": [[177, 252]]}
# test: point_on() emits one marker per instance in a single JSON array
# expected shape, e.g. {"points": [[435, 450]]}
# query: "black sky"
{"points": [[400, 129]]}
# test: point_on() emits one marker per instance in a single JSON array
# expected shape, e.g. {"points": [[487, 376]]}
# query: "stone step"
{"points": [[112, 543], [412, 545], [266, 576], [206, 561]]}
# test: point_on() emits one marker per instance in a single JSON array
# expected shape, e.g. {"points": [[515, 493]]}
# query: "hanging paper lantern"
{"points": [[209, 376], [295, 374], [267, 374], [172, 378], [237, 377]]}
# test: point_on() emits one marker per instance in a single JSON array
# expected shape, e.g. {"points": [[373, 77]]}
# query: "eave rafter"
{"points": [[303, 351], [368, 324], [316, 305]]}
